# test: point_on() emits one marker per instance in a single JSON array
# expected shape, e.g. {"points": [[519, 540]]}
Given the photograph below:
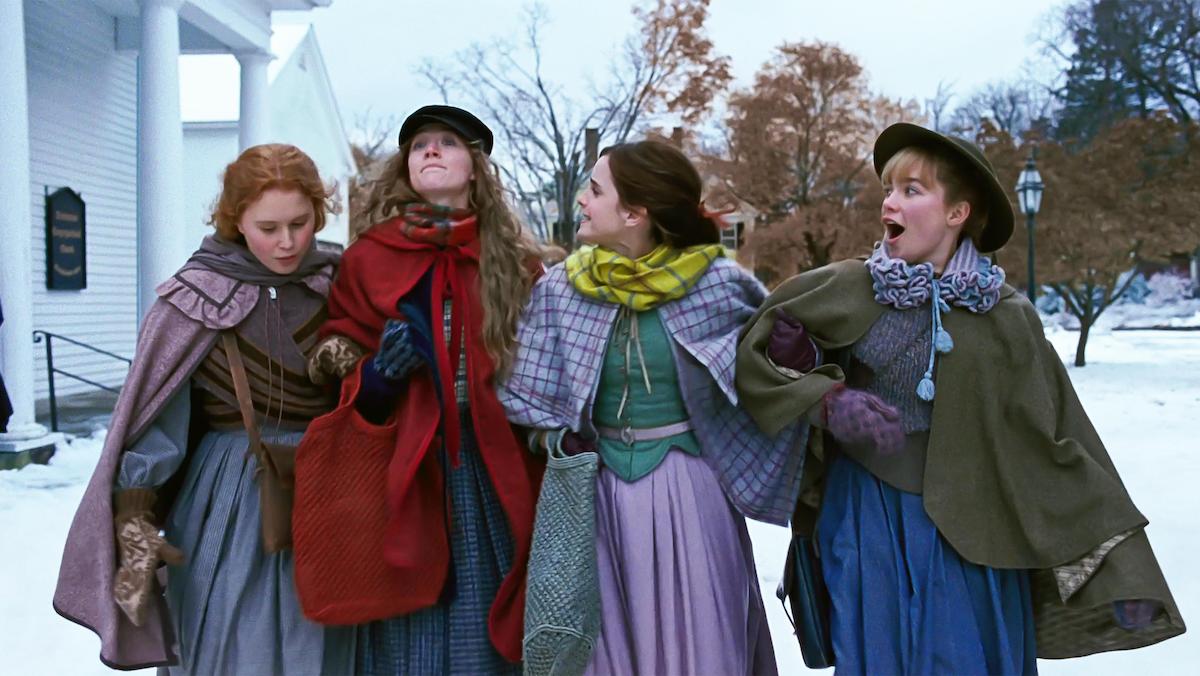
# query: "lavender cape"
{"points": [[178, 332], [562, 339]]}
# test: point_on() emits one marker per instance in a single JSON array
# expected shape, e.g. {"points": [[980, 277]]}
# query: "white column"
{"points": [[254, 121], [16, 227], [161, 232]]}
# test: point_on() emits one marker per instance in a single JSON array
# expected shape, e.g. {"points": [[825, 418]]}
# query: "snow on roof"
{"points": [[285, 38], [210, 84]]}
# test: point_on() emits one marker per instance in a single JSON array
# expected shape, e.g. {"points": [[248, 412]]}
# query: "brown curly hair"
{"points": [[260, 168], [507, 250]]}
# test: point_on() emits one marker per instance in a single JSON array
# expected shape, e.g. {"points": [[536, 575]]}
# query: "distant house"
{"points": [[303, 112], [740, 220]]}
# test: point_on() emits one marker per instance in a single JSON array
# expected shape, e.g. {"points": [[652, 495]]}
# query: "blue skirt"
{"points": [[903, 601]]}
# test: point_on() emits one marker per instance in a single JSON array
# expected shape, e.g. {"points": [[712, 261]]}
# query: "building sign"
{"points": [[66, 238]]}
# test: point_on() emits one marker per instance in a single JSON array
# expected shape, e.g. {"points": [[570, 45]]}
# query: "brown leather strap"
{"points": [[242, 387]]}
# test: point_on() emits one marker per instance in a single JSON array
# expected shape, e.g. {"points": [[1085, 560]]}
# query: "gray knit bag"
{"points": [[562, 597]]}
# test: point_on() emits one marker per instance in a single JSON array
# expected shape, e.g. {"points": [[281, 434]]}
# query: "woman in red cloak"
{"points": [[414, 499]]}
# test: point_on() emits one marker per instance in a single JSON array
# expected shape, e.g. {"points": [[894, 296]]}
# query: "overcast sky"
{"points": [[907, 46]]}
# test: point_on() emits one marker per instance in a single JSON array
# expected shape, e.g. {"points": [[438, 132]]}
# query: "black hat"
{"points": [[999, 226], [465, 124]]}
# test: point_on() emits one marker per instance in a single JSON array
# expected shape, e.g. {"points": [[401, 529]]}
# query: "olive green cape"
{"points": [[1015, 476]]}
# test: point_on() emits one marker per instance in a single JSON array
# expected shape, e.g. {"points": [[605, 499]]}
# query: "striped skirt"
{"points": [[234, 606]]}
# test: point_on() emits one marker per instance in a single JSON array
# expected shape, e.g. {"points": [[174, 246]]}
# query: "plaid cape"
{"points": [[562, 338]]}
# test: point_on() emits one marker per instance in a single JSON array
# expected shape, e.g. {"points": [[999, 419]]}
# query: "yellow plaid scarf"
{"points": [[660, 276]]}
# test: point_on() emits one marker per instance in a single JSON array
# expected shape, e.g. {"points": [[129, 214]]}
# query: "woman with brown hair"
{"points": [[424, 543], [220, 365], [627, 350]]}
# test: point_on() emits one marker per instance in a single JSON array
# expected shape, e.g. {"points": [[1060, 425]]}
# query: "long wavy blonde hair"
{"points": [[508, 253]]}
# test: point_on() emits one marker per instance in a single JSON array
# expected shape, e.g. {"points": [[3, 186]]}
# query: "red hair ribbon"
{"points": [[717, 216]]}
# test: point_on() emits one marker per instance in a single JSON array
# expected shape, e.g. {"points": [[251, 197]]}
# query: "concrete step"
{"points": [[79, 414]]}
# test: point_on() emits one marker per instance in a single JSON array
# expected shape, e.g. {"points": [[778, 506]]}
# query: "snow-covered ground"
{"points": [[1165, 300], [1185, 313], [1141, 389]]}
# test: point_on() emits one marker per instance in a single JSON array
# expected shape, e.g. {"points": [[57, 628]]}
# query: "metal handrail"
{"points": [[50, 370]]}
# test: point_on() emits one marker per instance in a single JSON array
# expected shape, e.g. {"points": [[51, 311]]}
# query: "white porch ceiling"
{"points": [[211, 26]]}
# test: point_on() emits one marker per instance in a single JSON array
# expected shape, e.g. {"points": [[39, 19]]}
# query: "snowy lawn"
{"points": [[1141, 389]]}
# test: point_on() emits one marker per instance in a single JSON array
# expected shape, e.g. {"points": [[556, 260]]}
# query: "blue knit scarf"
{"points": [[969, 281]]}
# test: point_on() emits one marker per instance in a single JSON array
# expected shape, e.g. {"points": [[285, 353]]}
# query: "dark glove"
{"points": [[397, 356], [139, 549], [405, 345], [790, 345], [574, 443], [420, 331], [562, 439], [860, 418]]}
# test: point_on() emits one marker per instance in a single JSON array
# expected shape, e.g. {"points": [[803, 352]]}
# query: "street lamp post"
{"points": [[1029, 194]]}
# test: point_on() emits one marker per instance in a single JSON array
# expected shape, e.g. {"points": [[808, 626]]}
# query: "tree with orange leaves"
{"points": [[1126, 196], [799, 151], [667, 65]]}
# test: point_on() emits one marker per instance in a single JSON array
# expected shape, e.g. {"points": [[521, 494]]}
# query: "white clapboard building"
{"points": [[303, 112], [90, 101]]}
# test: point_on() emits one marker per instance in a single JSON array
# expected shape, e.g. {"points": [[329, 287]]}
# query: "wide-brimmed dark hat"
{"points": [[465, 124], [999, 226]]}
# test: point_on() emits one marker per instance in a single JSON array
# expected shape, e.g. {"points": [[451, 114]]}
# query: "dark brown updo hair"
{"points": [[660, 179]]}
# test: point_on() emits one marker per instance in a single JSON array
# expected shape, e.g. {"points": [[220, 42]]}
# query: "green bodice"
{"points": [[662, 405]]}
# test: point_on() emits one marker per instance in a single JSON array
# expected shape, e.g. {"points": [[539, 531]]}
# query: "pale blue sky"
{"points": [[907, 47]]}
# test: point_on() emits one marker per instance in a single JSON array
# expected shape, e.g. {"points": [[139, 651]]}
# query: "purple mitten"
{"points": [[862, 419], [790, 345], [1134, 614], [574, 443]]}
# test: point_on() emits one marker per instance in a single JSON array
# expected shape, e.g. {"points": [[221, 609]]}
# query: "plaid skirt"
{"points": [[452, 637]]}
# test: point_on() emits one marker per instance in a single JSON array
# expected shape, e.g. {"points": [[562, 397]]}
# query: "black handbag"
{"points": [[803, 592]]}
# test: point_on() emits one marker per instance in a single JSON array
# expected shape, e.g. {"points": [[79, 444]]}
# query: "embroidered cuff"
{"points": [[793, 373], [1074, 575]]}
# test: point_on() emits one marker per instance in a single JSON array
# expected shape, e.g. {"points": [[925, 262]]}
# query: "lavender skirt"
{"points": [[678, 588]]}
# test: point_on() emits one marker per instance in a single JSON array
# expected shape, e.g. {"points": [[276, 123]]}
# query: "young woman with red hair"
{"points": [[198, 447]]}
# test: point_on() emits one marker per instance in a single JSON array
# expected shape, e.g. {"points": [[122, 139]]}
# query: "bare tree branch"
{"points": [[667, 65]]}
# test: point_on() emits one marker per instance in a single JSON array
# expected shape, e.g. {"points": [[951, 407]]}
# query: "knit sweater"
{"points": [[274, 339], [896, 350], [889, 361]]}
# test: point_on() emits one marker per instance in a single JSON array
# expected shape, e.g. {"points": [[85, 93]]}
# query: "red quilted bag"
{"points": [[340, 522]]}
